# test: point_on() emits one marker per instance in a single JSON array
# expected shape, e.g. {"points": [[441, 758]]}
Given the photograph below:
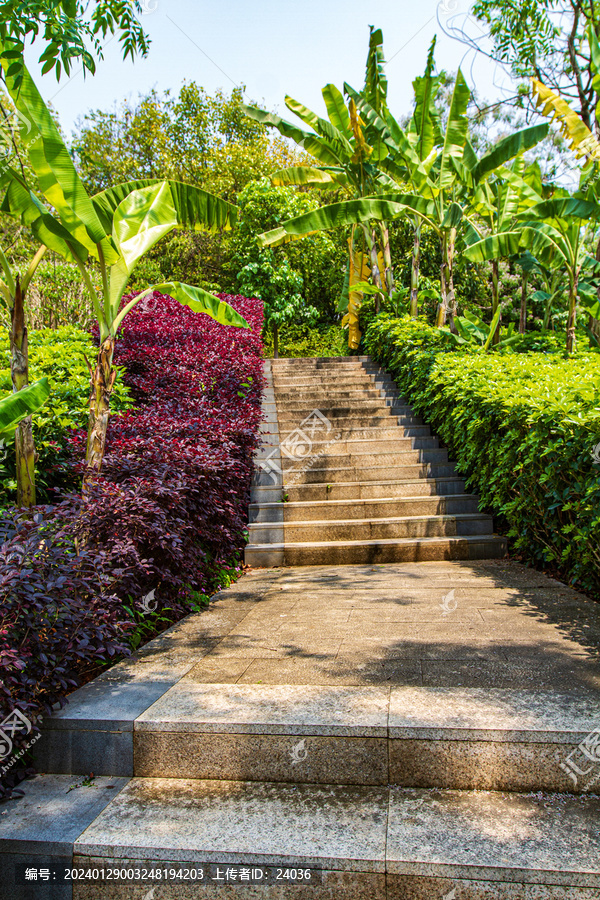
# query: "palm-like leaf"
{"points": [[312, 143], [507, 148], [305, 175], [197, 299], [456, 131], [16, 407], [57, 176], [21, 203], [336, 141], [425, 117], [563, 208], [336, 110], [350, 212], [376, 85]]}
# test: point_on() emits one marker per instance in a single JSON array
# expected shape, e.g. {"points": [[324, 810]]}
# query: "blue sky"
{"points": [[274, 48]]}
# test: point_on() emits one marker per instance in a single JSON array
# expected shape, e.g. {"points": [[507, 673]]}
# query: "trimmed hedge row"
{"points": [[524, 428]]}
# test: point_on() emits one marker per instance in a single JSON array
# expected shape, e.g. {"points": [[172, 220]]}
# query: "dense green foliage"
{"points": [[312, 270], [60, 355], [523, 428], [305, 340]]}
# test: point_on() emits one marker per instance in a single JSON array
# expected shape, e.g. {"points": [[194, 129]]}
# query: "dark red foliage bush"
{"points": [[168, 513]]}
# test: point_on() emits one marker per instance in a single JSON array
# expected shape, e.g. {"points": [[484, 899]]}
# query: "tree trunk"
{"points": [[414, 272], [523, 314], [451, 297], [24, 446], [103, 382], [572, 315], [495, 299], [387, 258], [375, 273], [275, 342], [443, 304]]}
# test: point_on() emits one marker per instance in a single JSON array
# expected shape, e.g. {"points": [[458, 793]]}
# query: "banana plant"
{"points": [[443, 184], [13, 290], [408, 153], [498, 201], [347, 159], [470, 329], [555, 232], [115, 228]]}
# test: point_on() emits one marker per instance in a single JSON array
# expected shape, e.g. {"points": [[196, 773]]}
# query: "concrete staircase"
{"points": [[384, 791], [348, 474]]}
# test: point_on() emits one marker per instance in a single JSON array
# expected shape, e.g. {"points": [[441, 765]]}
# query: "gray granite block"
{"points": [[538, 839], [40, 828], [331, 827], [270, 709]]}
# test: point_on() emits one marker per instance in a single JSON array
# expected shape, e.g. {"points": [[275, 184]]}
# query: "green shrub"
{"points": [[57, 297], [59, 354], [525, 431], [302, 340]]}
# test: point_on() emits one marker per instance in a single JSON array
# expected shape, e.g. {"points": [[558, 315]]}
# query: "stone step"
{"points": [[336, 392], [319, 510], [358, 446], [319, 474], [375, 490], [355, 422], [300, 409], [334, 457], [298, 412], [375, 842], [384, 528], [320, 385], [466, 739], [359, 434], [340, 553]]}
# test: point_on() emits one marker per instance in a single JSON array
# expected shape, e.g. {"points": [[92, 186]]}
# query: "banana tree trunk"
{"points": [[523, 313], [414, 272], [387, 258], [24, 445], [495, 299], [451, 297], [375, 273], [573, 287], [103, 382], [442, 309]]}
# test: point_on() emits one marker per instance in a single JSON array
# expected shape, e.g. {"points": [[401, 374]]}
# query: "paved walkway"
{"points": [[447, 624], [411, 731]]}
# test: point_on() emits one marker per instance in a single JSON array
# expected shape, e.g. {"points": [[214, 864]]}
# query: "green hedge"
{"points": [[59, 354], [523, 428]]}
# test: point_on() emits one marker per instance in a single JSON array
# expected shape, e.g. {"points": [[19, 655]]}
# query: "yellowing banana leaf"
{"points": [[306, 175], [359, 271], [576, 132]]}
